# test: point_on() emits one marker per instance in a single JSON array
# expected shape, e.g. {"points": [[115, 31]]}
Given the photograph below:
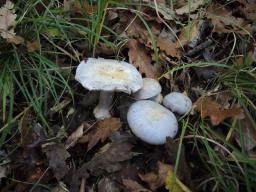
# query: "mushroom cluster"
{"points": [[147, 118]]}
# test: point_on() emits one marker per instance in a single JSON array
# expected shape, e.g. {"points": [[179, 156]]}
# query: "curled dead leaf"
{"points": [[207, 107]]}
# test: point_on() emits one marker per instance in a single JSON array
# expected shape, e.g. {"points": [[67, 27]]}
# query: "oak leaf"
{"points": [[140, 59], [209, 108]]}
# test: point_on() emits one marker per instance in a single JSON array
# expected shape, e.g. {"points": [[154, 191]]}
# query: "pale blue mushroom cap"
{"points": [[152, 122]]}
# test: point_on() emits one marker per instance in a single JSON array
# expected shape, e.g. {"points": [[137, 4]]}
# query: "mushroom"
{"points": [[151, 122], [108, 76], [177, 102], [151, 90]]}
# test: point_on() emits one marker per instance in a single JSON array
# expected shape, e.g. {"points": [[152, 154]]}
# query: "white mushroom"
{"points": [[151, 122], [151, 90], [107, 76], [177, 102]]}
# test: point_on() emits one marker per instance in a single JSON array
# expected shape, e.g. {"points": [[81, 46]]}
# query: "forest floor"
{"points": [[49, 138]]}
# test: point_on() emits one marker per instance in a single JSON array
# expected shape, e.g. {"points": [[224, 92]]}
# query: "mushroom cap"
{"points": [[150, 88], [152, 122], [108, 75], [177, 102]]}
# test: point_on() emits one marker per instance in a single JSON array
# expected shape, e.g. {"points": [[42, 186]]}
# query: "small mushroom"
{"points": [[151, 122], [177, 102], [108, 76], [151, 90]]}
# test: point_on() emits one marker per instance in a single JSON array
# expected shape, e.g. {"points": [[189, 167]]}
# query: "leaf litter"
{"points": [[103, 155]]}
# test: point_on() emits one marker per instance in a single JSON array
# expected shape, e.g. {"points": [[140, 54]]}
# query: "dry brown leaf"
{"points": [[188, 33], [190, 7], [56, 155], [104, 129], [249, 135], [134, 28], [134, 186], [224, 22], [156, 180], [109, 158], [7, 20], [207, 107], [16, 40], [75, 136], [140, 59], [165, 43], [33, 46]]}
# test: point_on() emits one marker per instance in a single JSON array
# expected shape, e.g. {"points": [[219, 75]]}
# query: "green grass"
{"points": [[29, 79]]}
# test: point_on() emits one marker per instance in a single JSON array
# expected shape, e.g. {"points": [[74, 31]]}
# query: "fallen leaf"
{"points": [[140, 59], [134, 186], [75, 136], [56, 155], [134, 28], [248, 135], [164, 10], [188, 33], [104, 129], [173, 184], [17, 40], [7, 20], [109, 158], [156, 180], [100, 131], [165, 43], [224, 22], [190, 7], [33, 46], [106, 184], [207, 107]]}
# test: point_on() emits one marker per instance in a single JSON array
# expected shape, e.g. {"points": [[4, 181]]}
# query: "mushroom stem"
{"points": [[101, 111]]}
